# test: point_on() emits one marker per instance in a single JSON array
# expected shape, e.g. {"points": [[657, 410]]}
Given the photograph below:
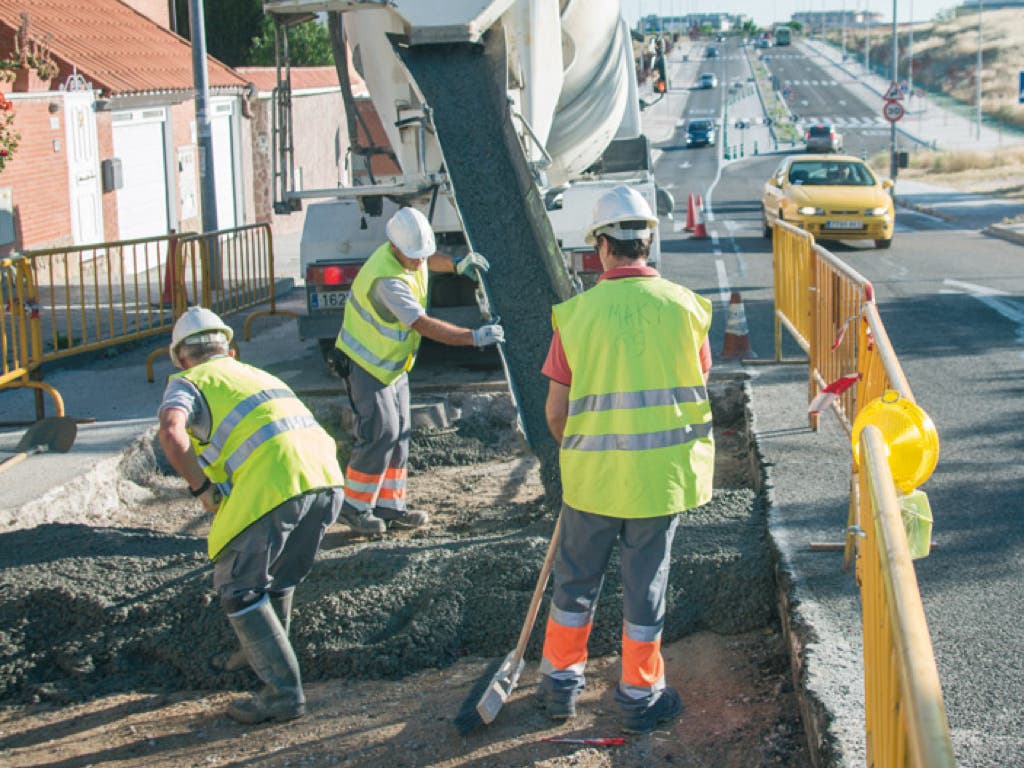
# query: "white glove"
{"points": [[471, 262], [486, 335]]}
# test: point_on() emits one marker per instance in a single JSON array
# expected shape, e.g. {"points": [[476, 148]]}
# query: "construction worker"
{"points": [[257, 459], [628, 404], [385, 317]]}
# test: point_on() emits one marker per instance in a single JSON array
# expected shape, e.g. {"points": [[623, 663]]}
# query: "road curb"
{"points": [[1010, 234], [925, 209]]}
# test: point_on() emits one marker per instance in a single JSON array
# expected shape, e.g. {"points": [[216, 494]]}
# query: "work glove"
{"points": [[471, 262], [486, 335]]}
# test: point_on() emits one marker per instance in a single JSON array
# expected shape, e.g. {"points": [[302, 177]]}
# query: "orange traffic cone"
{"points": [[691, 212], [700, 232], [737, 335]]}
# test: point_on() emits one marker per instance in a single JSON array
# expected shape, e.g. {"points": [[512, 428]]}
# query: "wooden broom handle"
{"points": [[538, 591]]}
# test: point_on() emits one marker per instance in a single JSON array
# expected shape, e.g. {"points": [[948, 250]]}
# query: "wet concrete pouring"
{"points": [[106, 630]]}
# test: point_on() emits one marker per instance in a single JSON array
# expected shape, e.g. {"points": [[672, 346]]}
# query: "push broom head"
{"points": [[489, 694]]}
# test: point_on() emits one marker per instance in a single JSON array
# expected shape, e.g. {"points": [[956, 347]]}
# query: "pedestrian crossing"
{"points": [[815, 83], [842, 122]]}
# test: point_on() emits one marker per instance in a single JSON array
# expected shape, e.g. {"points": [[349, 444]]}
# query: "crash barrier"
{"points": [[829, 310], [20, 338]]}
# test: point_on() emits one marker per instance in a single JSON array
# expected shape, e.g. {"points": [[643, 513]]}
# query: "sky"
{"points": [[764, 12]]}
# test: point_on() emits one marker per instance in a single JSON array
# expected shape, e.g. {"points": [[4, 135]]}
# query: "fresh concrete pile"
{"points": [[89, 610]]}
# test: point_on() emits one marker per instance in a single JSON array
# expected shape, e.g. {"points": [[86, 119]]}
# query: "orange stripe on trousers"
{"points": [[565, 646], [642, 664], [392, 493], [396, 474], [361, 477]]}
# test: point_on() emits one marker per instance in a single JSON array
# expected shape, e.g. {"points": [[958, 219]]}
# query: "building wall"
{"points": [[158, 11], [184, 181], [104, 150], [38, 176]]}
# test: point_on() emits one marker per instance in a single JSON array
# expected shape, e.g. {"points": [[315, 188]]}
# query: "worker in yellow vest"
{"points": [[628, 404], [385, 317], [258, 461]]}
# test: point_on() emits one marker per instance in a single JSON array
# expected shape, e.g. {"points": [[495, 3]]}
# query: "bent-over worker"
{"points": [[385, 317], [628, 404], [256, 458]]}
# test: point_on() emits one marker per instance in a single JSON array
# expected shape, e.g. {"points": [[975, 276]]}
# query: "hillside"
{"points": [[945, 58]]}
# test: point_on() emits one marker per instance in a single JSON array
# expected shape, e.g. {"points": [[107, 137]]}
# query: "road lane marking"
{"points": [[723, 282], [992, 298]]}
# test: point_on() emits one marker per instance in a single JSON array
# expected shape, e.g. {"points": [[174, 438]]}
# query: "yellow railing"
{"points": [[905, 716], [830, 311], [19, 332]]}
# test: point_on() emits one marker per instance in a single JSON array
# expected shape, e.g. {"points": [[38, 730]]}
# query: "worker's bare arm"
{"points": [[443, 332], [178, 449], [556, 409], [440, 262]]}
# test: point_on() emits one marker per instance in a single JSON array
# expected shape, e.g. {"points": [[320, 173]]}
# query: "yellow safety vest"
{"points": [[265, 447], [384, 349], [638, 440]]}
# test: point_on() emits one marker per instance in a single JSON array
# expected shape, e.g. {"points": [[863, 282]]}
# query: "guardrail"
{"points": [[61, 302], [830, 311]]}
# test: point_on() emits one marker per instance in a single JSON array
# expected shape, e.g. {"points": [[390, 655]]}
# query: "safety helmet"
{"points": [[194, 323], [618, 205], [410, 233]]}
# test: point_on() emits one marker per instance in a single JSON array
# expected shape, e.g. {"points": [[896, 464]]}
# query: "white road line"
{"points": [[992, 298], [723, 282]]}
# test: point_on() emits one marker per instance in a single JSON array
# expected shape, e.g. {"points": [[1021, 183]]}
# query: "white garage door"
{"points": [[142, 201], [223, 163]]}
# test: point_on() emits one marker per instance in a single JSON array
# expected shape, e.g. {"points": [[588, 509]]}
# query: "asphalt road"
{"points": [[951, 301]]}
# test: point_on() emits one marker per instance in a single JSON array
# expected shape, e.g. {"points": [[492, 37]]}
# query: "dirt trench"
{"points": [[125, 611]]}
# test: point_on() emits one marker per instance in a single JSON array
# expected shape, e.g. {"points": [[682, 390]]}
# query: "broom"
{"points": [[492, 690]]}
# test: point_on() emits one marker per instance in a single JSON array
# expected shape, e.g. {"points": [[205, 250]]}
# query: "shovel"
{"points": [[56, 433]]}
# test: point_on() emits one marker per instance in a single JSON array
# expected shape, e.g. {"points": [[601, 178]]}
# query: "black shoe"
{"points": [[668, 707], [406, 520], [365, 522], [557, 706]]}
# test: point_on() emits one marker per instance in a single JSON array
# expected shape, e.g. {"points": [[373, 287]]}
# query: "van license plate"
{"points": [[328, 300], [844, 225]]}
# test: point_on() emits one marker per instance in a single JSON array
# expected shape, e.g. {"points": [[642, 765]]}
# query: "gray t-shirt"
{"points": [[394, 301], [183, 395]]}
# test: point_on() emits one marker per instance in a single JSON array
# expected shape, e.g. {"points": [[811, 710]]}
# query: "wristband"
{"points": [[196, 493], [455, 262]]}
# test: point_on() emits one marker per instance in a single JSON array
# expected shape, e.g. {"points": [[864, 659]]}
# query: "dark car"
{"points": [[712, 52], [700, 132]]}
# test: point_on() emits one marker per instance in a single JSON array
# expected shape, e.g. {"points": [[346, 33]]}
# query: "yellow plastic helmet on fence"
{"points": [[196, 321], [910, 438]]}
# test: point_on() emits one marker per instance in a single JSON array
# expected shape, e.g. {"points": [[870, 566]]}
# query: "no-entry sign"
{"points": [[892, 111]]}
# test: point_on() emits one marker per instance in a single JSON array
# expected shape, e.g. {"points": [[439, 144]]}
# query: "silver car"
{"points": [[823, 138]]}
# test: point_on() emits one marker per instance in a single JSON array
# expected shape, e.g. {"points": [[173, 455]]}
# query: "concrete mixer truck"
{"points": [[506, 120]]}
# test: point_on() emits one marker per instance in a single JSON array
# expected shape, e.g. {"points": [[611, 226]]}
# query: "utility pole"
{"points": [[867, 36], [910, 54], [207, 184], [895, 79], [977, 73], [843, 33]]}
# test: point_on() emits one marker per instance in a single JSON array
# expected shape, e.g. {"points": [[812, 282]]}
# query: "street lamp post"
{"points": [[895, 78], [977, 74]]}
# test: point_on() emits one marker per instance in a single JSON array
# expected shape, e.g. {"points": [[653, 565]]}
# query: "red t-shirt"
{"points": [[556, 367]]}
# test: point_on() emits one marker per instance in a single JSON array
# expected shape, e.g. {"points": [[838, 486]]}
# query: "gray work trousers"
{"points": [[274, 554], [584, 548], [376, 473]]}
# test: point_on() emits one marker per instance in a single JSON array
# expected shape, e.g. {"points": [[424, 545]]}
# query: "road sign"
{"points": [[1020, 89], [892, 111], [894, 93]]}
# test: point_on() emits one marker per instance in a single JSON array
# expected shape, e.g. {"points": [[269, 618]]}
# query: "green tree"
{"points": [[309, 45]]}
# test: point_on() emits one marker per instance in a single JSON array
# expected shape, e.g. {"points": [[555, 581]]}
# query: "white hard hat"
{"points": [[618, 205], [410, 232], [194, 322]]}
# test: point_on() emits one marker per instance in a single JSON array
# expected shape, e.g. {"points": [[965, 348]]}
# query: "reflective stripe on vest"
{"points": [[265, 446], [384, 349], [638, 438]]}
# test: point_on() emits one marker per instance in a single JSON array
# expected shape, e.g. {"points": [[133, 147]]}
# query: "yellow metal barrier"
{"points": [[19, 332], [792, 262], [904, 710]]}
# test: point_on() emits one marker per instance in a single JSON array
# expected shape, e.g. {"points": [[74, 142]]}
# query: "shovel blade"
{"points": [[501, 687], [55, 433]]}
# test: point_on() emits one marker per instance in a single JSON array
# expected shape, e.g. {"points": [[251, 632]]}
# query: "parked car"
{"points": [[823, 138], [708, 80], [834, 197], [700, 133]]}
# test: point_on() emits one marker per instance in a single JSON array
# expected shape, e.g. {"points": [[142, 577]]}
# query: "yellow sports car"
{"points": [[834, 197]]}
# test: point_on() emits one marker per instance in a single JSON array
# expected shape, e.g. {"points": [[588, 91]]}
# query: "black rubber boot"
{"points": [[271, 656], [234, 661], [405, 520], [667, 708]]}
